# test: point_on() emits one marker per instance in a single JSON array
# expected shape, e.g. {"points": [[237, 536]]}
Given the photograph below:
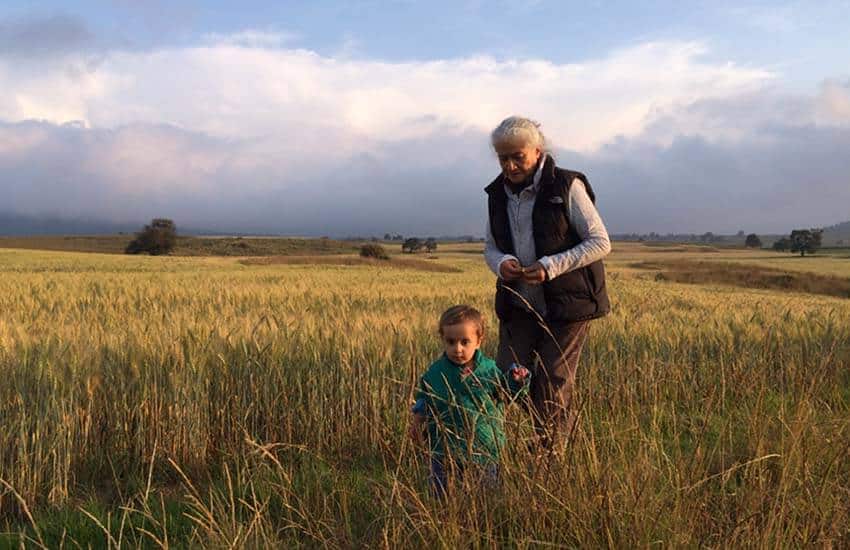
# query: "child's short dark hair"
{"points": [[462, 314]]}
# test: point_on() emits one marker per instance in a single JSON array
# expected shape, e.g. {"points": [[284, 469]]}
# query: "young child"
{"points": [[460, 400]]}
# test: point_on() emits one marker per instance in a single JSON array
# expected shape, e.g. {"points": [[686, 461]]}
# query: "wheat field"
{"points": [[202, 402]]}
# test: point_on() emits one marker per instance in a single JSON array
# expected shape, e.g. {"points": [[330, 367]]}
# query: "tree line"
{"points": [[160, 236], [409, 246], [414, 244], [800, 240]]}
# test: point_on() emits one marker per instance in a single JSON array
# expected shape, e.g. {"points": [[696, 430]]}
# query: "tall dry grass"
{"points": [[167, 402]]}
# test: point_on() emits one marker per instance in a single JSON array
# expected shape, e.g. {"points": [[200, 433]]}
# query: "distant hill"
{"points": [[187, 246], [13, 224], [22, 224]]}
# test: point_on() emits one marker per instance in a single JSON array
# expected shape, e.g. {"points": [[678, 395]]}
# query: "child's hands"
{"points": [[415, 430], [519, 374]]}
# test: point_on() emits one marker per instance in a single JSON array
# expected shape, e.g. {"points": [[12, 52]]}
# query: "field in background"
{"points": [[166, 401]]}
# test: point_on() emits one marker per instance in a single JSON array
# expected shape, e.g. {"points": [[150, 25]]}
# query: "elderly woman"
{"points": [[545, 242]]}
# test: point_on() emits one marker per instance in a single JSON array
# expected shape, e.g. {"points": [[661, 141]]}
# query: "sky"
{"points": [[367, 117]]}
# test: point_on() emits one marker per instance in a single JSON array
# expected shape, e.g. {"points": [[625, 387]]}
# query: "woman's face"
{"points": [[517, 159]]}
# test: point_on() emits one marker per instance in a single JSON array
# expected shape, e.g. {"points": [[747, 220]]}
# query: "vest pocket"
{"points": [[573, 282], [595, 273]]}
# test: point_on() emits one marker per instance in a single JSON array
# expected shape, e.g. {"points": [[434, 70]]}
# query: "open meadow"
{"points": [[232, 402]]}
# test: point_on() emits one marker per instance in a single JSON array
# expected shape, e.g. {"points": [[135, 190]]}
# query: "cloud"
{"points": [[140, 171], [244, 133], [784, 177], [37, 37], [233, 89], [252, 38], [834, 103]]}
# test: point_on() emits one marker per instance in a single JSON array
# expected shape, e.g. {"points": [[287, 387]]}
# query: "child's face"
{"points": [[461, 341]]}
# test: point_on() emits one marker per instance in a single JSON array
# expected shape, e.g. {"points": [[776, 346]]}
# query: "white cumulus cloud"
{"points": [[244, 132], [246, 85]]}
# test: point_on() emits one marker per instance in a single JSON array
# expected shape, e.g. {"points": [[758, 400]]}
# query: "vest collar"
{"points": [[547, 171]]}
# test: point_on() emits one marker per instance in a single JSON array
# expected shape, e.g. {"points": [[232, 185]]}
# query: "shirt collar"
{"points": [[476, 358]]}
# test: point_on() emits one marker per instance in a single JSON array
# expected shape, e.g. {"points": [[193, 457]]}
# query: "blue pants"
{"points": [[439, 475]]}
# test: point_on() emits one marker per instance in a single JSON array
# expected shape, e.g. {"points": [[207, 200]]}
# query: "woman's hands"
{"points": [[510, 270], [534, 274]]}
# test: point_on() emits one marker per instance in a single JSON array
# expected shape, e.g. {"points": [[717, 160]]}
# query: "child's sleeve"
{"points": [[420, 407]]}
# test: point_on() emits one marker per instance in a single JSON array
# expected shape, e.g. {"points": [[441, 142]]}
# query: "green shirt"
{"points": [[465, 414]]}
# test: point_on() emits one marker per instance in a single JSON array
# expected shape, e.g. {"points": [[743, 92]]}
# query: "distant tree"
{"points": [[805, 240], [753, 241], [411, 245], [707, 237], [781, 245], [374, 251], [388, 237], [430, 244], [740, 234], [159, 237]]}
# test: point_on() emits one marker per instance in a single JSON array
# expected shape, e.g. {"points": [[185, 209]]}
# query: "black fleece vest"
{"points": [[574, 296]]}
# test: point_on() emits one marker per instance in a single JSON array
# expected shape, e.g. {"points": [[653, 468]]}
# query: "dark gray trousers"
{"points": [[552, 357]]}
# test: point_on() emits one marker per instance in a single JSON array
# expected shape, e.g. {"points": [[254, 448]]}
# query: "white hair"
{"points": [[517, 128]]}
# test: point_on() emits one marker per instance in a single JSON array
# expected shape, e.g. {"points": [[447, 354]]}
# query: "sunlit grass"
{"points": [[202, 402]]}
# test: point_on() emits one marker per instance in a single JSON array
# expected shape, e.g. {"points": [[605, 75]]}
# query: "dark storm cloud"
{"points": [[138, 172], [775, 170], [799, 177], [770, 167]]}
